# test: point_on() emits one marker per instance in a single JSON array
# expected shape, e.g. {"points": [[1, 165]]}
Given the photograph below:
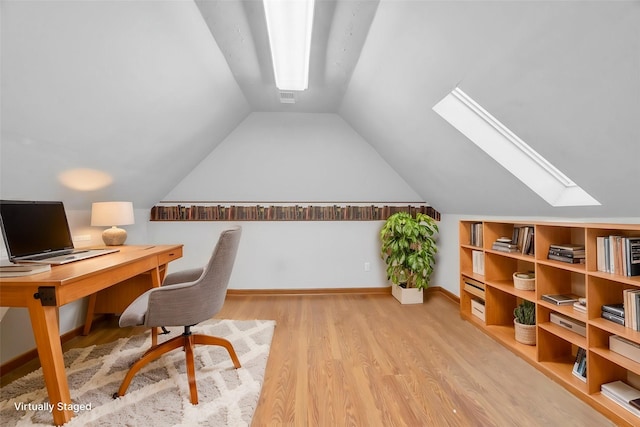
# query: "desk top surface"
{"points": [[127, 254]]}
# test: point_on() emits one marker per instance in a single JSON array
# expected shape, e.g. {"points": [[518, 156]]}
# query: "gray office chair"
{"points": [[185, 298]]}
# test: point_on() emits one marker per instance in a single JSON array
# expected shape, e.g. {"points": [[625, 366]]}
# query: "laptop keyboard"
{"points": [[54, 255], [44, 256]]}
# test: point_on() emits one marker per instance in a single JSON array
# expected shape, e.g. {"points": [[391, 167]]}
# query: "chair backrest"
{"points": [[194, 302], [216, 274]]}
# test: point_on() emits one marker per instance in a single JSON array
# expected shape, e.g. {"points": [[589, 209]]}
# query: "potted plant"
{"points": [[409, 249], [525, 322]]}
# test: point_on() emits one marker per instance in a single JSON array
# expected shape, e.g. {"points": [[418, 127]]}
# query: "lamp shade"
{"points": [[112, 213]]}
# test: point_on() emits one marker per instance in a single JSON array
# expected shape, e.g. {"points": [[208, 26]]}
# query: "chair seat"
{"points": [[135, 313]]}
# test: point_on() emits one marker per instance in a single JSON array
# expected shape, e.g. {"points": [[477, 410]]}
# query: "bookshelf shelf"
{"points": [[507, 286], [278, 211], [556, 347], [564, 334]]}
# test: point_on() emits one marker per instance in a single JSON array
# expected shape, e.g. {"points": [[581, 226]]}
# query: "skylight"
{"points": [[511, 152], [290, 24]]}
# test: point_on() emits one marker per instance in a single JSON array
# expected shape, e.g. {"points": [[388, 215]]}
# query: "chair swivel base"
{"points": [[188, 342]]}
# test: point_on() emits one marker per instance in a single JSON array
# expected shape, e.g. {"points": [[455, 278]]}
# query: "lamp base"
{"points": [[114, 236]]}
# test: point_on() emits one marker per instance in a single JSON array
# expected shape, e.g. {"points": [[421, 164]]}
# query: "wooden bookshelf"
{"points": [[212, 211], [556, 347]]}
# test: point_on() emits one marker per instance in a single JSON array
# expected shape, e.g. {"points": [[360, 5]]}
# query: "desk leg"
{"points": [[44, 321], [157, 276]]}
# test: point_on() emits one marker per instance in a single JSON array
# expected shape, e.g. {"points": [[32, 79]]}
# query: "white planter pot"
{"points": [[407, 295]]}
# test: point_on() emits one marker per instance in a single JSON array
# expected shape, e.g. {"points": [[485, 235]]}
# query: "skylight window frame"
{"points": [[515, 155]]}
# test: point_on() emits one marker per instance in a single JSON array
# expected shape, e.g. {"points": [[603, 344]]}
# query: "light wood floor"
{"points": [[366, 360]]}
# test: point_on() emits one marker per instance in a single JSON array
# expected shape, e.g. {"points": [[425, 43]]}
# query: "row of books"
{"points": [[580, 364], [476, 238], [477, 261], [523, 238], [618, 255], [505, 244], [614, 313], [567, 252], [623, 394], [283, 213], [631, 304]]}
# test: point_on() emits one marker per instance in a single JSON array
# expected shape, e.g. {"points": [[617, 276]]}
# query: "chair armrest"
{"points": [[183, 276]]}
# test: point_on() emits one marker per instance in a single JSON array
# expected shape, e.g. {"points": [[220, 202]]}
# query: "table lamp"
{"points": [[113, 214]]}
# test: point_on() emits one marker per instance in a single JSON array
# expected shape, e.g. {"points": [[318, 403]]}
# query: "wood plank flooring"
{"points": [[366, 360]]}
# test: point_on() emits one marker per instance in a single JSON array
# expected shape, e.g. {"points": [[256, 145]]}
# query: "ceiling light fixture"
{"points": [[515, 155], [289, 24]]}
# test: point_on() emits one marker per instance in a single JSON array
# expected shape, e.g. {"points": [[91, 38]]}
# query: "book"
{"points": [[567, 246], [632, 261], [18, 270], [610, 316], [617, 309], [560, 299], [630, 308], [565, 259], [600, 254], [580, 364], [476, 234], [622, 394], [636, 319], [505, 248], [625, 347], [578, 306], [478, 262], [569, 323]]}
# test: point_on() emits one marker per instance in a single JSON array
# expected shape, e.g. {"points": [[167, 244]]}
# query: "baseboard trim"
{"points": [[453, 297], [385, 290], [318, 291]]}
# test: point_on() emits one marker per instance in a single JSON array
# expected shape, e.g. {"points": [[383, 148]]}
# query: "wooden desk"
{"points": [[43, 293]]}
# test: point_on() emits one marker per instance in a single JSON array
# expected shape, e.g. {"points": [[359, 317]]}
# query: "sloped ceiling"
{"points": [[564, 76], [137, 91], [145, 89]]}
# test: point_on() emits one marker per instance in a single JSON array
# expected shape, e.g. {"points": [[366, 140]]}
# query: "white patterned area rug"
{"points": [[159, 393]]}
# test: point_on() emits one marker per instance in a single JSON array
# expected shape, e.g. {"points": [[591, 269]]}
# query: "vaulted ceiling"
{"points": [[564, 76]]}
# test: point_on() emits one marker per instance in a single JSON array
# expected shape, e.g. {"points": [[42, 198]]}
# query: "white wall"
{"points": [[283, 157], [286, 255]]}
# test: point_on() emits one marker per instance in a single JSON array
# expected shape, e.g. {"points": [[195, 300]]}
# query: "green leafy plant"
{"points": [[525, 313], [409, 249]]}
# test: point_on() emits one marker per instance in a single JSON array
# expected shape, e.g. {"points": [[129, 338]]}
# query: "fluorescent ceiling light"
{"points": [[289, 23], [511, 152]]}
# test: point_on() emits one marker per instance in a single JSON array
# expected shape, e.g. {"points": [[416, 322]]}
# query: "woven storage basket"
{"points": [[525, 334], [523, 284]]}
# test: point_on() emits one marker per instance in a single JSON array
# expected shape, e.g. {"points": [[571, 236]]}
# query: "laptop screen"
{"points": [[30, 227]]}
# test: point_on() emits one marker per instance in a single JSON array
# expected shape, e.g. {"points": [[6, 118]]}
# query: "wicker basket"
{"points": [[525, 334], [522, 283]]}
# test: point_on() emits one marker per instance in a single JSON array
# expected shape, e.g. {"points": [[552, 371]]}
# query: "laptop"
{"points": [[38, 232]]}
